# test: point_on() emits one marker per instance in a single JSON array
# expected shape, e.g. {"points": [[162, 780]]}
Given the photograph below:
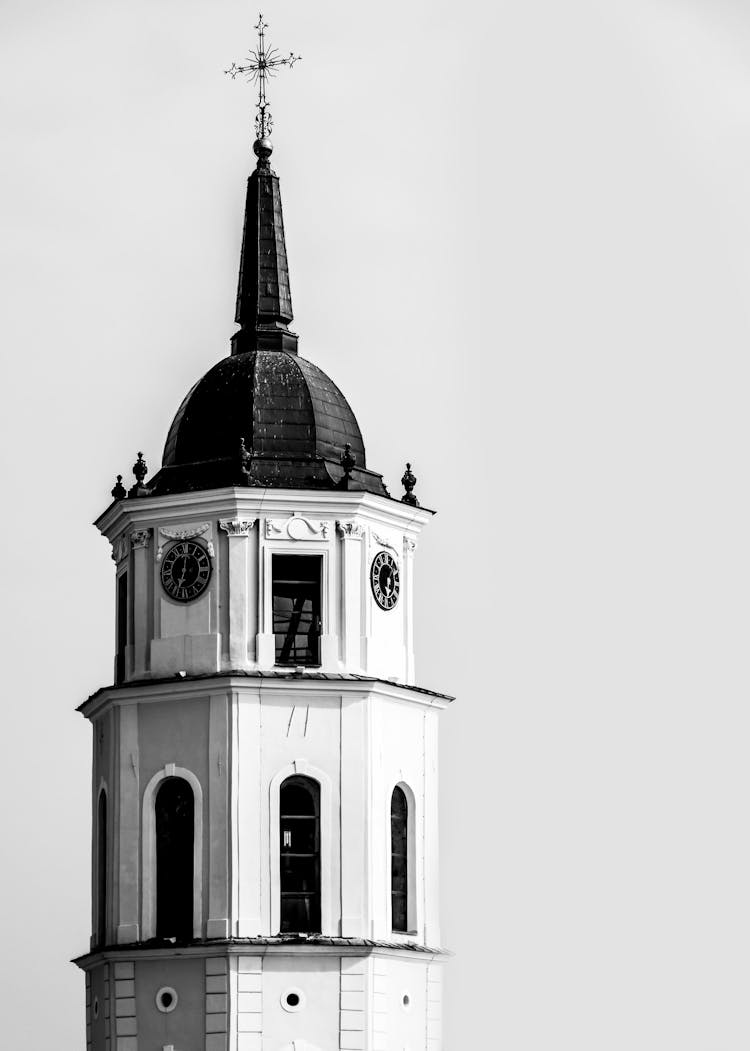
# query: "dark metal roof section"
{"points": [[264, 300], [264, 416]]}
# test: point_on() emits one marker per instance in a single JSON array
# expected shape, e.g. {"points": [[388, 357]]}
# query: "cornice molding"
{"points": [[252, 503], [148, 692]]}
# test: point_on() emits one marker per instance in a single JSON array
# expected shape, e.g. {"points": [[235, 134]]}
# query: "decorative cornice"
{"points": [[140, 537], [384, 543], [237, 526], [185, 533], [297, 527], [350, 530]]}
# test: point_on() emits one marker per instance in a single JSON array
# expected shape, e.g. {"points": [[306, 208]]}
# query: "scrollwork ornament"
{"points": [[410, 546], [384, 543], [186, 533], [297, 527]]}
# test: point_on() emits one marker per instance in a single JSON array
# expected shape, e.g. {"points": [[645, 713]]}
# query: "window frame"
{"points": [[318, 556], [329, 847], [148, 852], [414, 866], [314, 789], [327, 599]]}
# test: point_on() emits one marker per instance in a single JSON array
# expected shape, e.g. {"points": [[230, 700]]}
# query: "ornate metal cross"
{"points": [[262, 64]]}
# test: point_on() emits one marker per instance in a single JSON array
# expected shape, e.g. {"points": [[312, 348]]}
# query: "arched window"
{"points": [[101, 870], [399, 860], [299, 869], [174, 812]]}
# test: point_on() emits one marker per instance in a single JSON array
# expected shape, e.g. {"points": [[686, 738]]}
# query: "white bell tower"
{"points": [[265, 825]]}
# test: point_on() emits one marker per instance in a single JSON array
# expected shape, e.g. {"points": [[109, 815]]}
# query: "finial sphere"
{"points": [[263, 148]]}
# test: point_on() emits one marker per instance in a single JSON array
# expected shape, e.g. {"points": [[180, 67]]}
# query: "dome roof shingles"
{"points": [[293, 419]]}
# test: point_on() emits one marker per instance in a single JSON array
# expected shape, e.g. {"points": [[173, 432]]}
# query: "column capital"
{"points": [[237, 526]]}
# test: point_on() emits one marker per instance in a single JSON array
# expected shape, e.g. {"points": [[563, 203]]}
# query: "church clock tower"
{"points": [[265, 826]]}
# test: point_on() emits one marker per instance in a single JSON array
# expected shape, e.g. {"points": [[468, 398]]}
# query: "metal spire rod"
{"points": [[261, 65]]}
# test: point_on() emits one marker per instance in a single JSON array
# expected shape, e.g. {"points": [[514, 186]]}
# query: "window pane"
{"points": [[299, 873], [296, 608], [297, 800], [298, 835], [299, 845], [399, 860], [174, 859]]}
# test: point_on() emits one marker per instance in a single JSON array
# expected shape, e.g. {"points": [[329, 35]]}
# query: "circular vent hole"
{"points": [[166, 999], [293, 1000]]}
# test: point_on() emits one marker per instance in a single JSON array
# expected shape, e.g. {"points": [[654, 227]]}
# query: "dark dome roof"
{"points": [[293, 419]]}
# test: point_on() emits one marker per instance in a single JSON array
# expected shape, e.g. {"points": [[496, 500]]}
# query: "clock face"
{"points": [[384, 580], [185, 571]]}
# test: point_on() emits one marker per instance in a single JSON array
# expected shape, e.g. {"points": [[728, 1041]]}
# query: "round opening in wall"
{"points": [[166, 999], [96, 1007], [293, 1000], [406, 1001]]}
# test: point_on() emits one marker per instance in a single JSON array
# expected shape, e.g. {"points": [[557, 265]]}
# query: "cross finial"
{"points": [[261, 65]]}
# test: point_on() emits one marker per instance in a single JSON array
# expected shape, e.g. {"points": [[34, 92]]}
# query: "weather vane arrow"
{"points": [[261, 65]]}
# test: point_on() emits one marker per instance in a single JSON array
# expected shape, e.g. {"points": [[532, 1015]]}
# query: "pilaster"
{"points": [[408, 587], [128, 825], [141, 591], [353, 1012], [218, 870], [217, 1004], [355, 818], [351, 534], [242, 572]]}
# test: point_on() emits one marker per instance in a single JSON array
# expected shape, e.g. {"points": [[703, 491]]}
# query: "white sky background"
{"points": [[519, 244]]}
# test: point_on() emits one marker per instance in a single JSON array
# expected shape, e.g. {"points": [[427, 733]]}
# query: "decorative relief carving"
{"points": [[410, 546], [237, 526], [120, 548], [186, 533], [296, 528], [351, 530], [140, 537], [384, 543]]}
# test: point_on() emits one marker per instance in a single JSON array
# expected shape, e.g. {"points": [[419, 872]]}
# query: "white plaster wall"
{"points": [[317, 1022], [404, 752], [406, 1023], [277, 736], [230, 625], [240, 742]]}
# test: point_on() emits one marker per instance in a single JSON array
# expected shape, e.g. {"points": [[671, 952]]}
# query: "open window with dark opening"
{"points": [[399, 860], [296, 608], [174, 812], [101, 870], [122, 626], [299, 868]]}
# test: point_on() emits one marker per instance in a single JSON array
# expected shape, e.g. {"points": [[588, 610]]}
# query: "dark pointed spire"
{"points": [[264, 300]]}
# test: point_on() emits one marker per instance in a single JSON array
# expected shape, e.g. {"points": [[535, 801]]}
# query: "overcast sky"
{"points": [[519, 244]]}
